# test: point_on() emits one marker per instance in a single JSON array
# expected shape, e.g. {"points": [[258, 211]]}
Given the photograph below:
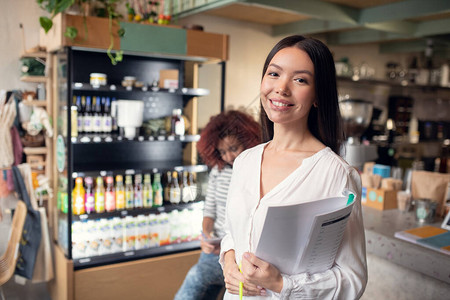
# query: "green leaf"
{"points": [[121, 32], [46, 23], [71, 32]]}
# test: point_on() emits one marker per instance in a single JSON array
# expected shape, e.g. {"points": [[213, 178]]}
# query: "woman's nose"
{"points": [[282, 87]]}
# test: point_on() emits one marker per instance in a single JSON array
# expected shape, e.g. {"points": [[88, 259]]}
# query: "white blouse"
{"points": [[324, 174]]}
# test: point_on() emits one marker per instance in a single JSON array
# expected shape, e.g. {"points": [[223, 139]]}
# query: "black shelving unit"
{"points": [[110, 154]]}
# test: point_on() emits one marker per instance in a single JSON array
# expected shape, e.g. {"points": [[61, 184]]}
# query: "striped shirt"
{"points": [[216, 197]]}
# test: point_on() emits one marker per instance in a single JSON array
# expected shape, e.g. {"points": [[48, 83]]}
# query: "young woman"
{"points": [[298, 162], [221, 141]]}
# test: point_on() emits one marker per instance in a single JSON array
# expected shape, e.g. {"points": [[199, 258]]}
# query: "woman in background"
{"points": [[298, 163], [221, 141]]}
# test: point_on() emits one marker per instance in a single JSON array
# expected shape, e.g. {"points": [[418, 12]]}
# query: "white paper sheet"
{"points": [[304, 237]]}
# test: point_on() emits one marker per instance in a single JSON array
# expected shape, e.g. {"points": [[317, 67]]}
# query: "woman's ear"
{"points": [[315, 104]]}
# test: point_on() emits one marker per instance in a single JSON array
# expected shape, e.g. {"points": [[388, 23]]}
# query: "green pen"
{"points": [[350, 198]]}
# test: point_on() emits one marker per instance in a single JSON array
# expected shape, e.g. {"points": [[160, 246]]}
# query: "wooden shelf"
{"points": [[34, 79], [35, 150], [37, 54], [40, 103]]}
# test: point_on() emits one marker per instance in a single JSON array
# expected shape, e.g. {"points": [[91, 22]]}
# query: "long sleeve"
{"points": [[347, 279]]}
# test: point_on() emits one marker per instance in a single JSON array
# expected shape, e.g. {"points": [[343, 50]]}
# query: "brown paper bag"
{"points": [[430, 185]]}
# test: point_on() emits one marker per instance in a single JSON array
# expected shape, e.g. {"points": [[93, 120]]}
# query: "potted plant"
{"points": [[102, 8]]}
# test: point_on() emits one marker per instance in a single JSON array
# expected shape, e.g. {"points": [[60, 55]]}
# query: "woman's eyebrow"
{"points": [[295, 72]]}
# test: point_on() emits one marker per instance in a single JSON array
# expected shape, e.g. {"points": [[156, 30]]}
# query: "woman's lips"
{"points": [[280, 105]]}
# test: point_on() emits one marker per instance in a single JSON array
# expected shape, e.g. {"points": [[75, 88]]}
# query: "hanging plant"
{"points": [[106, 9]]}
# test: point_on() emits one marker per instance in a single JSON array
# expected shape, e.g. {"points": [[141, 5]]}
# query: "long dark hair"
{"points": [[324, 121], [229, 123]]}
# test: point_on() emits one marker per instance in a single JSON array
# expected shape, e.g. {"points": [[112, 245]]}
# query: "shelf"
{"points": [[34, 79], [142, 168], [40, 103], [81, 263], [37, 54], [86, 87], [136, 212], [391, 83], [35, 150], [94, 139]]}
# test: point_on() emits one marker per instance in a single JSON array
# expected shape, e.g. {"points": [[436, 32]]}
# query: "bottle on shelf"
{"points": [[186, 195], [74, 121], [88, 124], [80, 113], [177, 125], [78, 194], [167, 187], [106, 117], [147, 191], [129, 192], [157, 190], [99, 195], [192, 186], [120, 193], [89, 199], [175, 191], [97, 119], [138, 203], [115, 128], [110, 195]]}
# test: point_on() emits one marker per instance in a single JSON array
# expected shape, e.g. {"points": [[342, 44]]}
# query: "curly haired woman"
{"points": [[221, 141]]}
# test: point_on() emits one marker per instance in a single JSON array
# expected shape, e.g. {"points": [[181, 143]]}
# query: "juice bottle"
{"points": [[192, 186], [157, 190], [186, 189], [99, 195], [89, 199], [175, 191], [167, 187], [78, 197], [138, 203], [120, 193], [110, 195], [147, 191], [129, 193]]}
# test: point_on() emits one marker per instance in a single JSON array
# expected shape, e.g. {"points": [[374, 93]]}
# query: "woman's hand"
{"points": [[233, 277], [209, 248], [260, 273]]}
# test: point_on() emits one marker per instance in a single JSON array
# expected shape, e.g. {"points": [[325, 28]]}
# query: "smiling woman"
{"points": [[298, 163]]}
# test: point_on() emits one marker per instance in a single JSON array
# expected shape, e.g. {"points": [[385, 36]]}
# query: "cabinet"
{"points": [[45, 151], [93, 155]]}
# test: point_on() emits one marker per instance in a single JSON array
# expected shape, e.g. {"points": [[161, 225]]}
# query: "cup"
{"points": [[425, 210], [404, 201]]}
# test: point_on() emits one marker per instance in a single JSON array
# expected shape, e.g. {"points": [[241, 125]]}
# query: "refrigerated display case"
{"points": [[121, 239]]}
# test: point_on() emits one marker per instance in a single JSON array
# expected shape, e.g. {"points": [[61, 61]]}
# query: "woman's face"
{"points": [[287, 87], [229, 148]]}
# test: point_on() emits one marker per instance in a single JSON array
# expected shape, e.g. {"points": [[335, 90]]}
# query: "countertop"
{"points": [[380, 227]]}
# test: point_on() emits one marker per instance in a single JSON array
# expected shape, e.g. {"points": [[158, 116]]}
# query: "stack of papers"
{"points": [[428, 236], [304, 237]]}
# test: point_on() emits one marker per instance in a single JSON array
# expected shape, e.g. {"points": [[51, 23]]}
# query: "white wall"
{"points": [[12, 13]]}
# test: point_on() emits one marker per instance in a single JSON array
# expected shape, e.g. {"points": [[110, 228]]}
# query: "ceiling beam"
{"points": [[312, 26], [312, 8], [434, 27], [363, 36], [403, 10]]}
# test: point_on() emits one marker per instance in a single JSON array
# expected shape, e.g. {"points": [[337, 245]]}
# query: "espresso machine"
{"points": [[356, 115]]}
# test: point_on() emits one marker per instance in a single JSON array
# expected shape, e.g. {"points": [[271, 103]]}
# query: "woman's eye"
{"points": [[233, 149], [301, 80], [273, 74]]}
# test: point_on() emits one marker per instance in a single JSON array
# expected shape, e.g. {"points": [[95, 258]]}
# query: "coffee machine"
{"points": [[356, 115]]}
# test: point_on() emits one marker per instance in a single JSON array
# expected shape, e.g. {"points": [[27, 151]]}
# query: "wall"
{"points": [[12, 13]]}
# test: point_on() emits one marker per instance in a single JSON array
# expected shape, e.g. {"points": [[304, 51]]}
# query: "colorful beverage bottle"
{"points": [[110, 195], [129, 193], [175, 190], [89, 199], [147, 191], [78, 197], [167, 187], [120, 193], [138, 202], [157, 190], [99, 195]]}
